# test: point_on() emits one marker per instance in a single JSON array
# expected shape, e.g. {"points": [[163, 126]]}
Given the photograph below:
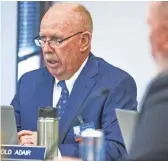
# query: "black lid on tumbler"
{"points": [[49, 112]]}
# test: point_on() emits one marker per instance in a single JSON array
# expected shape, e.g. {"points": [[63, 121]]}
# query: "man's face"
{"points": [[64, 59]]}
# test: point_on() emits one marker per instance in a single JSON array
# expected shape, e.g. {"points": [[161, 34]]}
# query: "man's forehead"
{"points": [[61, 23], [59, 10], [54, 18]]}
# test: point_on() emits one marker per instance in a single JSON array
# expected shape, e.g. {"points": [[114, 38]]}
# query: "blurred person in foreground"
{"points": [[151, 135], [72, 77]]}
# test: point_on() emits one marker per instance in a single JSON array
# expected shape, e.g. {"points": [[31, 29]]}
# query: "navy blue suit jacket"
{"points": [[104, 88]]}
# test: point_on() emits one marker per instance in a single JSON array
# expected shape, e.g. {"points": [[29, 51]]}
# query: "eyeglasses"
{"points": [[56, 41]]}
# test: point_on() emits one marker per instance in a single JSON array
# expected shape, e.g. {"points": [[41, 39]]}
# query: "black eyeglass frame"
{"points": [[57, 41]]}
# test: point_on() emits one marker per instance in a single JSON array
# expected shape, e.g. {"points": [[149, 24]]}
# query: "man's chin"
{"points": [[58, 75]]}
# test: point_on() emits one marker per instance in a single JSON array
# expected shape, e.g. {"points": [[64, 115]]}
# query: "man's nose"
{"points": [[47, 48]]}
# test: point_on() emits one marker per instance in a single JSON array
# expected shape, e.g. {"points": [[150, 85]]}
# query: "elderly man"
{"points": [[75, 76], [150, 142]]}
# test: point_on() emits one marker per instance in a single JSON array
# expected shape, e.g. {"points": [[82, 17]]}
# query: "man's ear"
{"points": [[85, 41]]}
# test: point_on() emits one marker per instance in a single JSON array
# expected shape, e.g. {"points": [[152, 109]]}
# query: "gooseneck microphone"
{"points": [[101, 93], [47, 130]]}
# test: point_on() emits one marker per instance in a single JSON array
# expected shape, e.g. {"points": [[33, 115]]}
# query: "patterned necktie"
{"points": [[63, 98]]}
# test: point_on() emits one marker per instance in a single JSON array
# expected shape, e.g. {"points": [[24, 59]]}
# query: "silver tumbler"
{"points": [[47, 130]]}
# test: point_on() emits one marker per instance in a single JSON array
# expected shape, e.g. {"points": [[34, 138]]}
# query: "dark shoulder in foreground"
{"points": [[158, 83]]}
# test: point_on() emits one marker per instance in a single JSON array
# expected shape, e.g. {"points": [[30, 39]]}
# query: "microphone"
{"points": [[103, 92]]}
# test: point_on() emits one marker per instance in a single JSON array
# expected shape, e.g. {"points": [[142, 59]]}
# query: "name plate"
{"points": [[12, 152]]}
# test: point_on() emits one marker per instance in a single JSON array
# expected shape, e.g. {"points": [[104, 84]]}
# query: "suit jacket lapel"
{"points": [[82, 87], [44, 90]]}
